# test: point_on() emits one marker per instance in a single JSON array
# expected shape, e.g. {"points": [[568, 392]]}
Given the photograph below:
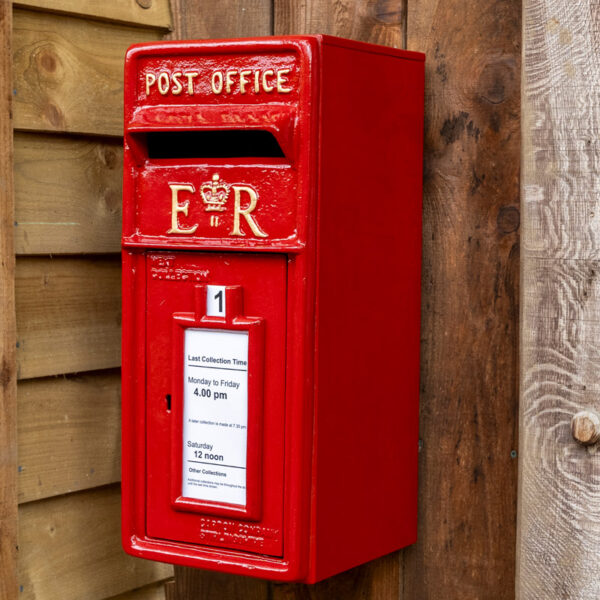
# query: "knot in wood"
{"points": [[144, 3], [585, 427]]}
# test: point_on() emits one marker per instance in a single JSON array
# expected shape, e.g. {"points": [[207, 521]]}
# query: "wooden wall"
{"points": [[468, 476], [66, 106], [559, 517], [67, 117]]}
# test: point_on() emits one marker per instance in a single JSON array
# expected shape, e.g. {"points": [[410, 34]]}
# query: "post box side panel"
{"points": [[174, 281], [368, 307]]}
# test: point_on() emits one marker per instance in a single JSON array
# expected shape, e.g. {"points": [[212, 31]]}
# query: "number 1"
{"points": [[219, 297]]}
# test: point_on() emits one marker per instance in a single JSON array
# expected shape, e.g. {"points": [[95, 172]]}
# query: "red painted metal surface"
{"points": [[289, 171]]}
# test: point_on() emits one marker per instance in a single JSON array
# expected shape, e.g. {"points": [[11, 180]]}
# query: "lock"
{"points": [[271, 303]]}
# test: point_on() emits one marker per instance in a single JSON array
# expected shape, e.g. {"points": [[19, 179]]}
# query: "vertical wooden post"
{"points": [[559, 516], [8, 337], [218, 19], [468, 471], [380, 22]]}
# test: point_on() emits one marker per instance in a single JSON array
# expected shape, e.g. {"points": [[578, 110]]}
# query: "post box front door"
{"points": [[233, 417]]}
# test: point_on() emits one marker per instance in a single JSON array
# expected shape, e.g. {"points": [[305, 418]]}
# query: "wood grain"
{"points": [[70, 548], [377, 21], [560, 359], [121, 11], [68, 315], [220, 19], [68, 72], [68, 434], [470, 286], [8, 380], [67, 194], [150, 592]]}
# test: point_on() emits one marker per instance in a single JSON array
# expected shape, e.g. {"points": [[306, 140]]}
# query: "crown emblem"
{"points": [[214, 194]]}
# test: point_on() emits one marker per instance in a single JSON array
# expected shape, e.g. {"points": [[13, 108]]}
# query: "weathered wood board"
{"points": [[67, 194], [220, 19], [559, 517], [150, 592], [149, 13], [379, 22], [68, 72], [69, 434], [68, 315], [8, 380], [70, 548], [470, 287]]}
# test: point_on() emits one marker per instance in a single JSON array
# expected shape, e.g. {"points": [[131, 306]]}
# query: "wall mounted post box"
{"points": [[271, 277]]}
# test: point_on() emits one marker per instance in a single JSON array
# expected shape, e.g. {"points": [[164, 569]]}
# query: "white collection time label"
{"points": [[215, 415]]}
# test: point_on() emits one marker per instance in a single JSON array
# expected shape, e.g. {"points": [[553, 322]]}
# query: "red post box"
{"points": [[271, 277]]}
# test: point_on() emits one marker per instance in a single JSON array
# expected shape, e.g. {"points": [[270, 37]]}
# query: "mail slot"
{"points": [[271, 298]]}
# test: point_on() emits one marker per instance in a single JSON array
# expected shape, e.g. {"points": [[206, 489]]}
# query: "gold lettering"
{"points": [[244, 80], [214, 220], [229, 80], [163, 82], [281, 80], [150, 81], [177, 208], [266, 86], [177, 88], [217, 82], [256, 82], [190, 79], [245, 212]]}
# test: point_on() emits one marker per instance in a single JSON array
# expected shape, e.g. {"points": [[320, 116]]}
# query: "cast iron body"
{"points": [[314, 227]]}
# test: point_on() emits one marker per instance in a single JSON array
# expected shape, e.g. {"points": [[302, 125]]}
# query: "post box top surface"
{"points": [[305, 43]]}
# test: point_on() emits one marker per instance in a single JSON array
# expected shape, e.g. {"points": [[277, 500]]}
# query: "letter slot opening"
{"points": [[213, 144]]}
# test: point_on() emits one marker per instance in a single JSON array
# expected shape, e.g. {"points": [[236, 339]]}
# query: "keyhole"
{"points": [[168, 399]]}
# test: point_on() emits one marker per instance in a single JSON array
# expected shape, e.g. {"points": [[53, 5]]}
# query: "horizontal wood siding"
{"points": [[69, 434], [68, 73], [68, 106], [148, 13], [68, 315], [67, 194], [70, 548], [150, 592]]}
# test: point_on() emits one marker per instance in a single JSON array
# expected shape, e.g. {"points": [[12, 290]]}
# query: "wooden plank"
{"points": [[8, 380], [380, 21], [67, 194], [559, 516], [148, 13], [68, 434], [70, 548], [68, 315], [150, 592], [68, 72], [468, 476], [220, 19]]}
